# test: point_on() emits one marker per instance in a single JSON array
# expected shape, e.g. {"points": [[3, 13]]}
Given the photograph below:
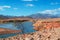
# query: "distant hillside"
{"points": [[40, 15], [7, 17], [35, 16]]}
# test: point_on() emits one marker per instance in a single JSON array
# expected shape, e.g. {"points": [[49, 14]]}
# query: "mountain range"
{"points": [[40, 15], [35, 16]]}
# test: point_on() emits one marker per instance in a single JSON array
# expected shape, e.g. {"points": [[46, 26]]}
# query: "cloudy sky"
{"points": [[28, 7]]}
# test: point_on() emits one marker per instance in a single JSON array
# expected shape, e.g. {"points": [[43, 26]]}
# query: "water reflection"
{"points": [[26, 27]]}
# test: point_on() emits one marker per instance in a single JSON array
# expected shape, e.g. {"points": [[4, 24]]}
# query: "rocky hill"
{"points": [[43, 16]]}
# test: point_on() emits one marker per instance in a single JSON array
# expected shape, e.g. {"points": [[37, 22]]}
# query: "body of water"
{"points": [[26, 27]]}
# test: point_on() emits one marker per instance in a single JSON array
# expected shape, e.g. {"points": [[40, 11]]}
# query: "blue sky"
{"points": [[28, 7]]}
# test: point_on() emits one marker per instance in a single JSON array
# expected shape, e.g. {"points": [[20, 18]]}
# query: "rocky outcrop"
{"points": [[47, 24], [48, 29]]}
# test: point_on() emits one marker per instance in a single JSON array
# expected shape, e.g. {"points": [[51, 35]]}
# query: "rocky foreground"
{"points": [[53, 34]]}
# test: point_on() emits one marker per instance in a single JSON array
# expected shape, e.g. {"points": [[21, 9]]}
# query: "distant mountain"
{"points": [[7, 17], [40, 15], [35, 16], [3, 17], [58, 14]]}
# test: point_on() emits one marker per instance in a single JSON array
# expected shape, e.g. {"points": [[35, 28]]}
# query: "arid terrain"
{"points": [[48, 29], [8, 31]]}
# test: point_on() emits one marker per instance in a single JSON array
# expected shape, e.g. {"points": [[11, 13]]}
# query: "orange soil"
{"points": [[47, 25], [8, 31]]}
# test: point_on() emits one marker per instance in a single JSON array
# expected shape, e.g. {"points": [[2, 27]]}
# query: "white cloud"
{"points": [[55, 3], [15, 8], [3, 7], [0, 8], [54, 11], [30, 5], [29, 0], [6, 6]]}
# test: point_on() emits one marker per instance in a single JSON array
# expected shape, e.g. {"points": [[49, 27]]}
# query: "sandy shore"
{"points": [[8, 31]]}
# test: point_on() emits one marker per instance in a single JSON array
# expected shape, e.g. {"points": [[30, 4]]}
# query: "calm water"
{"points": [[26, 27]]}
